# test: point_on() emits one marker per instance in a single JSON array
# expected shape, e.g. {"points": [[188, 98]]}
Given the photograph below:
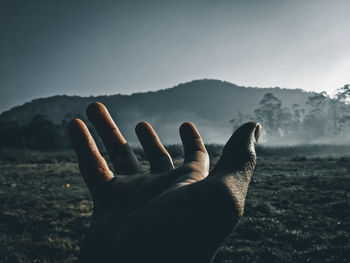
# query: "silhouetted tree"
{"points": [[41, 134], [343, 94], [317, 102], [239, 120], [315, 122], [286, 125], [11, 135], [341, 109], [295, 120], [298, 113], [269, 113]]}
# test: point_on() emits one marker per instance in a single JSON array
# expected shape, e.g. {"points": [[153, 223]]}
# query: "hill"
{"points": [[210, 104]]}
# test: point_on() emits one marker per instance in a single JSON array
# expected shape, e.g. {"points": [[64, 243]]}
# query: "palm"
{"points": [[169, 215]]}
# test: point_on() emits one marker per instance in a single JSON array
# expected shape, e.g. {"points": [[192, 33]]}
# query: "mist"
{"points": [[217, 108]]}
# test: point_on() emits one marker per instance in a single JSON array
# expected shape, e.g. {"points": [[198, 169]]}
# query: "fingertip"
{"points": [[239, 152], [76, 121], [257, 131], [75, 125], [249, 129], [141, 127], [93, 108], [186, 125], [145, 132], [188, 131], [194, 148], [249, 125]]}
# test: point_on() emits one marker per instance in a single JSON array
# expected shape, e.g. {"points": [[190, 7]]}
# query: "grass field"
{"points": [[297, 210]]}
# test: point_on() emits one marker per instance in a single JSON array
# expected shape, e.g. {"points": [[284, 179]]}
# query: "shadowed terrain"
{"points": [[297, 210]]}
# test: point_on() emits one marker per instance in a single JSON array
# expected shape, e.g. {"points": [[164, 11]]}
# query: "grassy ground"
{"points": [[297, 210]]}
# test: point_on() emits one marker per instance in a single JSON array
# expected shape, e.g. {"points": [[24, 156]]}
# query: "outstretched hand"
{"points": [[169, 215]]}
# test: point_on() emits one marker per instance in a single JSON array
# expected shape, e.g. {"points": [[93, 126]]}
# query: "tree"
{"points": [[316, 121], [298, 113], [341, 108], [343, 94], [317, 102], [239, 120], [269, 113], [11, 135], [41, 134], [295, 120]]}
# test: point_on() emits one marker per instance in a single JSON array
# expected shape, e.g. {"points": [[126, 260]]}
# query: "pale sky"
{"points": [[96, 47]]}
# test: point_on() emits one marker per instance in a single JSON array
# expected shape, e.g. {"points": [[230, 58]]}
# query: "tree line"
{"points": [[39, 134], [322, 119]]}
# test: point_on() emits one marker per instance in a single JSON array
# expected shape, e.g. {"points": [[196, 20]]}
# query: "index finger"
{"points": [[93, 166]]}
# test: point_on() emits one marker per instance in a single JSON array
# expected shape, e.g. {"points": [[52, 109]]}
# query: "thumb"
{"points": [[239, 152], [237, 163]]}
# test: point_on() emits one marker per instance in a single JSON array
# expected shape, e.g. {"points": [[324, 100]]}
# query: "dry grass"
{"points": [[297, 210]]}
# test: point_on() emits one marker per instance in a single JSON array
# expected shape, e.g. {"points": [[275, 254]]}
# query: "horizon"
{"points": [[146, 91], [290, 116]]}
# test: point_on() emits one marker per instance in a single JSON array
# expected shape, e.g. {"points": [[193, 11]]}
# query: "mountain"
{"points": [[210, 104]]}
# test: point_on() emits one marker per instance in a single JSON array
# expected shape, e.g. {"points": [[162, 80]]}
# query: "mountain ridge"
{"points": [[210, 104]]}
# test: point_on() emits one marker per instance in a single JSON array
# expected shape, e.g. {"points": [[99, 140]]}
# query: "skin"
{"points": [[169, 215]]}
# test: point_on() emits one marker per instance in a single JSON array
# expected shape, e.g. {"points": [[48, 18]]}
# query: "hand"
{"points": [[169, 215]]}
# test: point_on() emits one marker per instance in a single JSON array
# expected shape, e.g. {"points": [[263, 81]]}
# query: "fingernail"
{"points": [[257, 131]]}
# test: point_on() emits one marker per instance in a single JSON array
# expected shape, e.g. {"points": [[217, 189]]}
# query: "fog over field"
{"points": [[217, 108]]}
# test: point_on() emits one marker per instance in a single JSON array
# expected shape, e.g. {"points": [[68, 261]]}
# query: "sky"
{"points": [[96, 47]]}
